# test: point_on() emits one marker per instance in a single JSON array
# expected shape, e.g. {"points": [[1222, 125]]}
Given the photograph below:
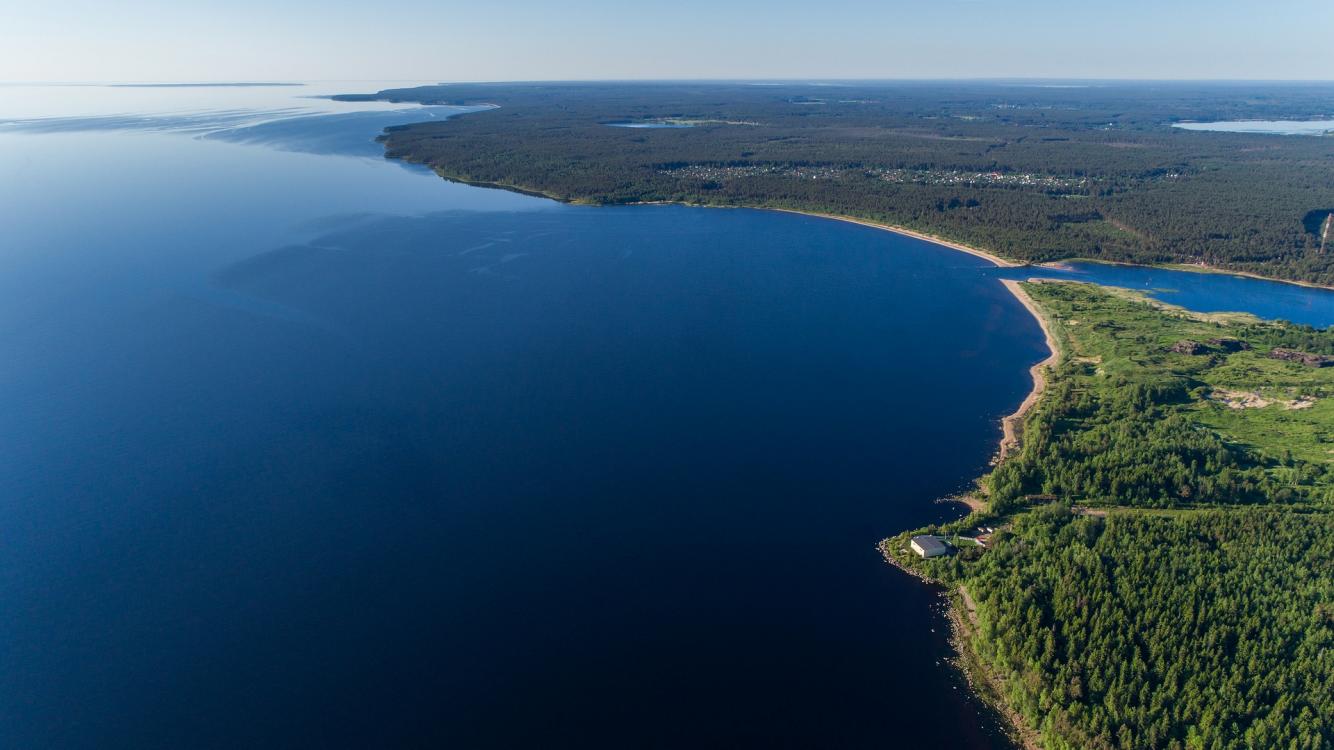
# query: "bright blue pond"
{"points": [[306, 448]]}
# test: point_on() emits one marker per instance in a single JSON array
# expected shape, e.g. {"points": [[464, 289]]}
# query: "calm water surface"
{"points": [[304, 447]]}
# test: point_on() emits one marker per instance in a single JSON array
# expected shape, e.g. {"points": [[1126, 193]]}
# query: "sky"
{"points": [[215, 40]]}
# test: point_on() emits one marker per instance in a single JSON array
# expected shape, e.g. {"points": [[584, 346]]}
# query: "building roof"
{"points": [[929, 544]]}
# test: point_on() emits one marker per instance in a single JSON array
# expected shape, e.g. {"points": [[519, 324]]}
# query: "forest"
{"points": [[1029, 172], [1162, 574], [1205, 629]]}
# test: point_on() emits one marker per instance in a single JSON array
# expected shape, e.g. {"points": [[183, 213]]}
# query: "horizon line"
{"points": [[701, 79]]}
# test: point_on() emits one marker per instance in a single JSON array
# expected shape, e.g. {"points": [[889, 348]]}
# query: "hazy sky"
{"points": [[158, 40]]}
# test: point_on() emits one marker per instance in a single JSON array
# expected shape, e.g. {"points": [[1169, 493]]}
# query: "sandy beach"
{"points": [[1012, 425], [990, 257]]}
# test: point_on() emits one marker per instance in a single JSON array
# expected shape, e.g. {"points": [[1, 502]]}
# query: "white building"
{"points": [[928, 546]]}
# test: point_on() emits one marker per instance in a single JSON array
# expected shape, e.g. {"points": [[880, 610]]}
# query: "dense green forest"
{"points": [[1163, 571], [1029, 172], [1196, 630]]}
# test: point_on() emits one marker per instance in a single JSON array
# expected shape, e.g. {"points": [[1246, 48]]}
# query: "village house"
{"points": [[928, 546]]}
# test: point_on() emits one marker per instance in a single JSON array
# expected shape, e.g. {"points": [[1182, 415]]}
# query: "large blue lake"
{"points": [[307, 448]]}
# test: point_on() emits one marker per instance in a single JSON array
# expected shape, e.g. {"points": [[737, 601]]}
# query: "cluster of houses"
{"points": [[717, 172], [1051, 183]]}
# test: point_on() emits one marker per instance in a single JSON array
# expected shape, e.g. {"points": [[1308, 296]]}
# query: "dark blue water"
{"points": [[303, 448]]}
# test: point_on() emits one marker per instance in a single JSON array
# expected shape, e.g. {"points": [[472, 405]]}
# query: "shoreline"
{"points": [[1012, 425], [990, 257], [983, 681]]}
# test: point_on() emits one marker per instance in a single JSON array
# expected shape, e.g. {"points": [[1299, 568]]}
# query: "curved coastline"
{"points": [[1011, 425], [984, 682]]}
